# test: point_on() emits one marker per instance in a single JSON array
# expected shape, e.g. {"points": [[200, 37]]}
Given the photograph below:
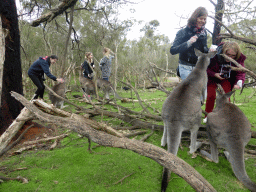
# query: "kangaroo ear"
{"points": [[197, 52], [212, 54], [228, 95]]}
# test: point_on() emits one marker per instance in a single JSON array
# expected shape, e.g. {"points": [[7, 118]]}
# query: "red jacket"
{"points": [[215, 67]]}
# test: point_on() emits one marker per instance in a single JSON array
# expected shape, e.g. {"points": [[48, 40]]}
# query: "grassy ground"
{"points": [[70, 167]]}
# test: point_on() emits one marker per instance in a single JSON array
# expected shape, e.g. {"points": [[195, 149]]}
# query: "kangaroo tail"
{"points": [[237, 162], [117, 96], [165, 180]]}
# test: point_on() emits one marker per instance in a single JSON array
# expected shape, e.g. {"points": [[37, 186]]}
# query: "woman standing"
{"points": [[192, 36], [36, 74], [88, 65], [105, 63]]}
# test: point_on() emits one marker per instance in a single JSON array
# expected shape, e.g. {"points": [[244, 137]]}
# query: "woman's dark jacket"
{"points": [[215, 67], [39, 67], [87, 68], [186, 53]]}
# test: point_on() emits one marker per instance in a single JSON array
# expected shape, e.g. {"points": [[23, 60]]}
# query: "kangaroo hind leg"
{"points": [[194, 145], [214, 153], [164, 137], [174, 132]]}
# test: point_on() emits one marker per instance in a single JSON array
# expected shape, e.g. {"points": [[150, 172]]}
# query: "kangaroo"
{"points": [[107, 87], [182, 110], [228, 127], [87, 85], [59, 89]]}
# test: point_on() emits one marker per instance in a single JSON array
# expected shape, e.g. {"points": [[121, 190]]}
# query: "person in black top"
{"points": [[88, 72], [36, 73], [192, 36]]}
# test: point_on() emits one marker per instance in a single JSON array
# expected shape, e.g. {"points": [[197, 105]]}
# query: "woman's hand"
{"points": [[60, 80], [217, 75], [239, 84], [193, 39]]}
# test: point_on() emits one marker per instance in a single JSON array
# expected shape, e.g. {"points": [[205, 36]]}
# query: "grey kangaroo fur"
{"points": [[228, 127], [59, 89], [107, 88], [87, 85], [182, 110]]}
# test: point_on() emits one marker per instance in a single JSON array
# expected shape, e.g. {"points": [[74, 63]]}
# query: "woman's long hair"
{"points": [[200, 11], [89, 60], [106, 51]]}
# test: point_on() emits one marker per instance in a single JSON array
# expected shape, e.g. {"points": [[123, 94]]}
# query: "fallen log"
{"points": [[12, 130], [161, 156]]}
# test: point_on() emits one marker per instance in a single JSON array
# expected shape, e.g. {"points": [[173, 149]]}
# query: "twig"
{"points": [[145, 137], [123, 178], [46, 139], [135, 133]]}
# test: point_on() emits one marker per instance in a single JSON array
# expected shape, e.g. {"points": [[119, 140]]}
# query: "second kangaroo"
{"points": [[228, 127]]}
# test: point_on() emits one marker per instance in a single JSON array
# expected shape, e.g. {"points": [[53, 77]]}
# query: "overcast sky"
{"points": [[167, 12]]}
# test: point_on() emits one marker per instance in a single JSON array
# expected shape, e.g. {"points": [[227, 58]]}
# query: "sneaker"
{"points": [[205, 120]]}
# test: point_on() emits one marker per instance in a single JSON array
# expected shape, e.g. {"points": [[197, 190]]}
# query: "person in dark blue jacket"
{"points": [[192, 36], [36, 73], [88, 72]]}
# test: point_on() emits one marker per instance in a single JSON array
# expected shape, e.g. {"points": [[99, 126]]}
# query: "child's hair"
{"points": [[200, 11], [87, 54], [234, 46]]}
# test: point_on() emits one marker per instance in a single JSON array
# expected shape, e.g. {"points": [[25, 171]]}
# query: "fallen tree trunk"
{"points": [[161, 156], [12, 130]]}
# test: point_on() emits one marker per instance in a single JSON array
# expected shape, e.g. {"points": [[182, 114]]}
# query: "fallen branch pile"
{"points": [[87, 128]]}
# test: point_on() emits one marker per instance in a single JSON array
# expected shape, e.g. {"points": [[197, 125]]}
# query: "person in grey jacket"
{"points": [[192, 36], [36, 73], [105, 63]]}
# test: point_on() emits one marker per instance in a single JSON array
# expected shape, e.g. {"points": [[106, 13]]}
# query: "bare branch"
{"points": [[64, 5]]}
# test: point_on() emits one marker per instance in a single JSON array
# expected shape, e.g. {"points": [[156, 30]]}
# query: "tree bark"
{"points": [[12, 73], [219, 9], [7, 136], [2, 55], [161, 156]]}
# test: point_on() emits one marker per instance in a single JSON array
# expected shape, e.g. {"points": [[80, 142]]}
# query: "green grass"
{"points": [[72, 168]]}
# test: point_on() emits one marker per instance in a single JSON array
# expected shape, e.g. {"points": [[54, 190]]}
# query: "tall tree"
{"points": [[219, 11], [12, 73]]}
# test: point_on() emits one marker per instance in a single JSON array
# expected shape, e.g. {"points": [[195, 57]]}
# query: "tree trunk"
{"points": [[12, 73], [219, 9], [2, 52], [67, 41]]}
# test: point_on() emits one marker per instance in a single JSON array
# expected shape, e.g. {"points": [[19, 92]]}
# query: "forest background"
{"points": [[96, 24]]}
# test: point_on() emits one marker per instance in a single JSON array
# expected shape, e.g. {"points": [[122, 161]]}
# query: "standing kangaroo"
{"points": [[59, 89], [182, 110], [107, 88], [87, 85], [228, 127]]}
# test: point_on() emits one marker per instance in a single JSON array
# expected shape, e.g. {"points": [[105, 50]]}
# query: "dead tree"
{"points": [[12, 73]]}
